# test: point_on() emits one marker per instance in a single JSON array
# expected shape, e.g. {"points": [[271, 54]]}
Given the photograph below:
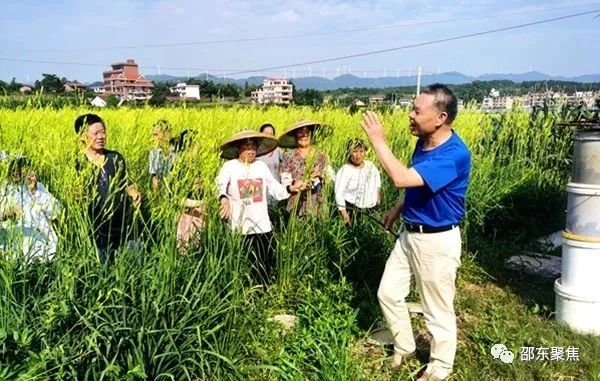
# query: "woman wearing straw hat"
{"points": [[243, 184], [303, 163]]}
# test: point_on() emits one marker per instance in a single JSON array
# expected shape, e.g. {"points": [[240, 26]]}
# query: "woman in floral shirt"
{"points": [[306, 163]]}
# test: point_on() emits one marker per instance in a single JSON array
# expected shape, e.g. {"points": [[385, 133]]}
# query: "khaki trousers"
{"points": [[431, 259]]}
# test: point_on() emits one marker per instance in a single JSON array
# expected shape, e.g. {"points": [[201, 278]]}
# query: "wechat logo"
{"points": [[499, 351]]}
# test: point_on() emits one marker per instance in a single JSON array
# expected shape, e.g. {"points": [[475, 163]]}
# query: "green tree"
{"points": [[229, 90], [159, 94], [248, 89], [13, 86], [51, 83], [308, 97], [112, 101]]}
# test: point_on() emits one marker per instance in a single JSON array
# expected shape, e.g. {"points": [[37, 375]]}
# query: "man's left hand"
{"points": [[135, 195]]}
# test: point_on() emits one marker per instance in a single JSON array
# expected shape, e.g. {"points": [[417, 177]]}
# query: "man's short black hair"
{"points": [[86, 120], [265, 126], [445, 100]]}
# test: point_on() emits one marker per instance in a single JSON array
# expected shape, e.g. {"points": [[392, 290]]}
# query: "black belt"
{"points": [[415, 228]]}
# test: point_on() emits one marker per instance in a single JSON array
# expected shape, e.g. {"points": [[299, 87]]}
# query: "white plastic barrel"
{"points": [[583, 210], [579, 311], [580, 268], [586, 156]]}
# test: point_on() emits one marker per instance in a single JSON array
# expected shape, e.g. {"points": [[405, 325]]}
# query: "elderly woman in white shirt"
{"points": [[357, 183], [243, 184], [27, 210]]}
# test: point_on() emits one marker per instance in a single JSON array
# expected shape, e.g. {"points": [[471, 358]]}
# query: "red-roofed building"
{"points": [[126, 81]]}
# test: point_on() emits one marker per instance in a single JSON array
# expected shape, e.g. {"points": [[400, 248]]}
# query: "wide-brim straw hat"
{"points": [[288, 138], [266, 144]]}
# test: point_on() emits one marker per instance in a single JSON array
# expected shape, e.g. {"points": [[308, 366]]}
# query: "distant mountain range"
{"points": [[349, 80]]}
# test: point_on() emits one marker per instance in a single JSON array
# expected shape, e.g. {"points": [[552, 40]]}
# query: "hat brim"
{"points": [[266, 144], [318, 132]]}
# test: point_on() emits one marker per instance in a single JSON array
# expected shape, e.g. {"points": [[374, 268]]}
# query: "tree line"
{"points": [[474, 91]]}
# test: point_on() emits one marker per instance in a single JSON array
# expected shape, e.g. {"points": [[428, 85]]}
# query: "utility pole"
{"points": [[323, 75], [419, 80], [309, 71]]}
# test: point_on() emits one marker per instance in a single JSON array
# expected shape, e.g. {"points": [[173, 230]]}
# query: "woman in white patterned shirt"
{"points": [[357, 183]]}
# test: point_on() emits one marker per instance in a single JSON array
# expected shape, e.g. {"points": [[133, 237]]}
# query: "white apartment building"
{"points": [[273, 90], [186, 91], [497, 103]]}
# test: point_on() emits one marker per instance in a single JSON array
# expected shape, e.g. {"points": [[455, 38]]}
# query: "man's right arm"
{"points": [[401, 175]]}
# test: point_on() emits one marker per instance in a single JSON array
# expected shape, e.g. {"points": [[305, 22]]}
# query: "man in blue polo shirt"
{"points": [[429, 247]]}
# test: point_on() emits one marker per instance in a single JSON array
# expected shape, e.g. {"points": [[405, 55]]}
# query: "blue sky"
{"points": [[87, 32]]}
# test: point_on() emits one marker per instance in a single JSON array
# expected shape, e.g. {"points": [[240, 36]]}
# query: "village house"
{"points": [[496, 103], [273, 90], [125, 81], [185, 91], [376, 99], [98, 102], [74, 86]]}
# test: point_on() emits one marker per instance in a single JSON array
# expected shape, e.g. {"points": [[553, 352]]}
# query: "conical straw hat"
{"points": [[288, 138], [266, 144]]}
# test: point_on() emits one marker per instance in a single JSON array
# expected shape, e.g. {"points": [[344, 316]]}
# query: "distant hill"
{"points": [[529, 76], [352, 81], [588, 78]]}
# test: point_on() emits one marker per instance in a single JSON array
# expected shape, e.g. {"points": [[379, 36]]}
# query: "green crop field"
{"points": [[158, 315]]}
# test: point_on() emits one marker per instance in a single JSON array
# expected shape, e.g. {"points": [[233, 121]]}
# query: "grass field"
{"points": [[158, 315]]}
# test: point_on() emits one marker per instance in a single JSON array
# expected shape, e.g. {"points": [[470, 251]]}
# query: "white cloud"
{"points": [[289, 15]]}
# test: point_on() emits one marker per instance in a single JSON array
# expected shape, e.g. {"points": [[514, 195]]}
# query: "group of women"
{"points": [[260, 172]]}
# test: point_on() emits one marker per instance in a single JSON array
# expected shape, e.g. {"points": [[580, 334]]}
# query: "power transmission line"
{"points": [[71, 63], [232, 72], [317, 34], [433, 42]]}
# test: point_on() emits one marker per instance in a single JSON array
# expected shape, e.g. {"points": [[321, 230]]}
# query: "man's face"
{"points": [[247, 151], [357, 156], [425, 118], [95, 136], [303, 137]]}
